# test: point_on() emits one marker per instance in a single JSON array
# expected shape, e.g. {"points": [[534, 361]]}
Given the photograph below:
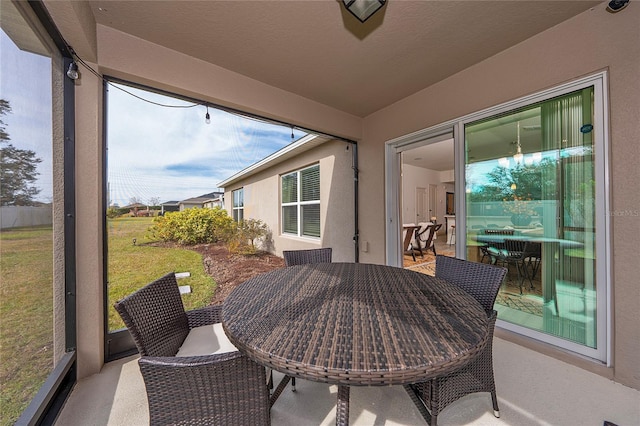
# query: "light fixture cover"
{"points": [[363, 9], [72, 72]]}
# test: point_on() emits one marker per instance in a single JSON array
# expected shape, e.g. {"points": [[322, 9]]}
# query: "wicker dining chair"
{"points": [[221, 386], [483, 282], [302, 257]]}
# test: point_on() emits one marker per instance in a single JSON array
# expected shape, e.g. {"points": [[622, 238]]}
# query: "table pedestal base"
{"points": [[342, 408]]}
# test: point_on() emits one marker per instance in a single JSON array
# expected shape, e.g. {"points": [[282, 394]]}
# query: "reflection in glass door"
{"points": [[530, 181]]}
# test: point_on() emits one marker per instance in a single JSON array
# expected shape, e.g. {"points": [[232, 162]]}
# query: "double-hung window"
{"points": [[300, 192], [238, 204]]}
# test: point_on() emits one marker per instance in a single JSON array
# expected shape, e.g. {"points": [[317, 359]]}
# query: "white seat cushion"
{"points": [[206, 340]]}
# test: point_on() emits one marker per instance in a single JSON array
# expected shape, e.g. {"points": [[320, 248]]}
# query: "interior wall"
{"points": [[415, 177], [592, 41]]}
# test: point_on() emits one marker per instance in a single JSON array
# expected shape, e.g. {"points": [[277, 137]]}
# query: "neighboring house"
{"points": [[202, 201], [138, 210], [217, 201], [303, 192], [169, 206]]}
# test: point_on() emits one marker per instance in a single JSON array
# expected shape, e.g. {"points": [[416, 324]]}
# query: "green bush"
{"points": [[112, 213], [193, 226], [246, 233], [252, 229]]}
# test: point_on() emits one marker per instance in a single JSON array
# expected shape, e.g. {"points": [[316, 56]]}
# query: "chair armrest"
{"points": [[204, 316], [188, 361]]}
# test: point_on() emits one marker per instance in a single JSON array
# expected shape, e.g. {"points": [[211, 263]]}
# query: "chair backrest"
{"points": [[302, 257], [494, 231], [155, 317], [516, 248], [427, 235], [480, 280]]}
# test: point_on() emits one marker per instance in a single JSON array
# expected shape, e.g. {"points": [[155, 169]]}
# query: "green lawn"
{"points": [[26, 300], [26, 317], [132, 266]]}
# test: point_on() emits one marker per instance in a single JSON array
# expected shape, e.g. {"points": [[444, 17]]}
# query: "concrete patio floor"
{"points": [[533, 389]]}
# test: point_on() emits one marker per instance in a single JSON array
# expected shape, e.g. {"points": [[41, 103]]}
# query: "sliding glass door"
{"points": [[533, 182]]}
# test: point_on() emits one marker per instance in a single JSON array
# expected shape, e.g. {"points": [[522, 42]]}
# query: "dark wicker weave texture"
{"points": [[483, 282], [355, 325], [224, 389], [303, 257]]}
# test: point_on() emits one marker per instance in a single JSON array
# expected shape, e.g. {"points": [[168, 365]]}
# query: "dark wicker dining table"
{"points": [[354, 324]]}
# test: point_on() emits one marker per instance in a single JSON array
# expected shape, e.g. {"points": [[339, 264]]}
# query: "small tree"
{"points": [[134, 200], [18, 168], [250, 230]]}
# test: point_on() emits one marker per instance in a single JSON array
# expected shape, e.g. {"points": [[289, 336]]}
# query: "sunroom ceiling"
{"points": [[319, 51]]}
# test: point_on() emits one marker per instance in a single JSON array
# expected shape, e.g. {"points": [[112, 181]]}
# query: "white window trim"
{"points": [[233, 203], [394, 147], [298, 204]]}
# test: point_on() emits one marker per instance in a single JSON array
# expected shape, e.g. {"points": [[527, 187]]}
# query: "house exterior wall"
{"points": [[262, 201], [592, 41], [184, 206]]}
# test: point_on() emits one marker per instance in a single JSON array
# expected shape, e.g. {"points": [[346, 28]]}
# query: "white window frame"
{"points": [[237, 210], [298, 204]]}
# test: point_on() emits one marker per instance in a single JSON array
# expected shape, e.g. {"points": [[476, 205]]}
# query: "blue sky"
{"points": [[171, 153], [153, 151], [29, 123]]}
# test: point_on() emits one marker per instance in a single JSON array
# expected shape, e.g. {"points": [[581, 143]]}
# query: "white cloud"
{"points": [[171, 153]]}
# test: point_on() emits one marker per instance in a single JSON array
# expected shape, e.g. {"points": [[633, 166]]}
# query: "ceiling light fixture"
{"points": [[518, 156], [207, 117], [363, 9], [72, 72]]}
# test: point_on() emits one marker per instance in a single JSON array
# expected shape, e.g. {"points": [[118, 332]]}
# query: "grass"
{"points": [[133, 266], [26, 297], [26, 312]]}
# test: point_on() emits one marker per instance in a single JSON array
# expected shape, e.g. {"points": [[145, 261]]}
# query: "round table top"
{"points": [[355, 324]]}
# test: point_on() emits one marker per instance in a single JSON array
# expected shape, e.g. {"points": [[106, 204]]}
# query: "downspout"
{"points": [[354, 166]]}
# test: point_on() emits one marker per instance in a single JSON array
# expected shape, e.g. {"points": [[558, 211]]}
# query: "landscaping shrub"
{"points": [[193, 226], [246, 233]]}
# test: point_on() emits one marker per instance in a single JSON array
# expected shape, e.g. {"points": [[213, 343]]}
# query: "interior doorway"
{"points": [[423, 205], [420, 171]]}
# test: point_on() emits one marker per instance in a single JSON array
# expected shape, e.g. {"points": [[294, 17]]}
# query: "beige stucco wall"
{"points": [[594, 40], [262, 200], [89, 214]]}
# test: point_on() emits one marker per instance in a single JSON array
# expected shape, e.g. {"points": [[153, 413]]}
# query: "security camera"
{"points": [[617, 5]]}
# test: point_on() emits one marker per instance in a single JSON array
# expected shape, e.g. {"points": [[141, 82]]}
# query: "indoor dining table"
{"points": [[353, 324]]}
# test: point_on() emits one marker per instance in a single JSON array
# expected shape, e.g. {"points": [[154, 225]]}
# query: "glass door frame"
{"points": [[394, 147]]}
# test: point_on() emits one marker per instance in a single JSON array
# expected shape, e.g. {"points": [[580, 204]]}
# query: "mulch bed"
{"points": [[229, 270]]}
